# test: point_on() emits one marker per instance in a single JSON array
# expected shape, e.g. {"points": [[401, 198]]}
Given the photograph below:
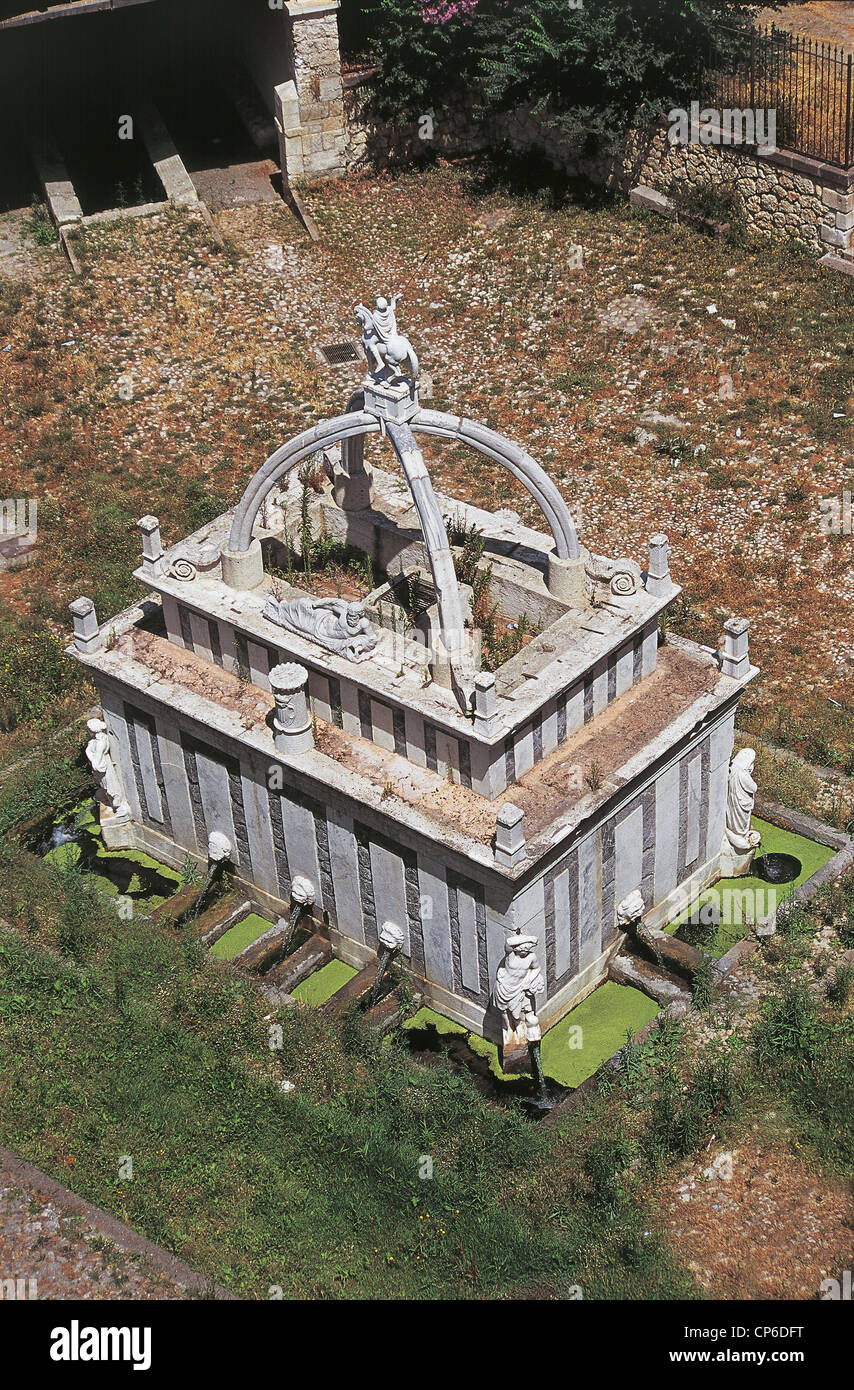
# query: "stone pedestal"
{"points": [[736, 658], [487, 720], [510, 848], [116, 830], [658, 581], [352, 491], [440, 663], [152, 546], [87, 633], [735, 865], [352, 481], [243, 569], [292, 730], [391, 401], [515, 1056], [567, 579]]}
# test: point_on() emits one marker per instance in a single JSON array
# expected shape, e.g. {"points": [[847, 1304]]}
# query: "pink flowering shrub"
{"points": [[443, 10]]}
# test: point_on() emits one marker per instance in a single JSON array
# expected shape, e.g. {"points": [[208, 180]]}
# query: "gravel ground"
{"points": [[826, 22], [61, 1255]]}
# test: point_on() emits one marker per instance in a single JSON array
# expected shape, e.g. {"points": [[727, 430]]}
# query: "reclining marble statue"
{"points": [[339, 626]]}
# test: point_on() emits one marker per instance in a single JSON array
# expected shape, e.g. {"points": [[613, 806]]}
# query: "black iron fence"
{"points": [[808, 85]]}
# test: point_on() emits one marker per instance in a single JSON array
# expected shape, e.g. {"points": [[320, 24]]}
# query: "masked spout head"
{"points": [[302, 893], [390, 936], [220, 849]]}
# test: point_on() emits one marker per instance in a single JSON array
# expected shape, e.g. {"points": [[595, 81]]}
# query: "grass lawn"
{"points": [[119, 1040], [144, 1052]]}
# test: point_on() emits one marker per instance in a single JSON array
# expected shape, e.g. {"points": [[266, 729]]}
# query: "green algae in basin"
{"points": [[324, 982], [425, 1017], [127, 873], [569, 1057], [241, 935], [749, 898], [604, 1018]]}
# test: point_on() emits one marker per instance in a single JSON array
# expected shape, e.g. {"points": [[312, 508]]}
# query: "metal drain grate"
{"points": [[339, 354]]}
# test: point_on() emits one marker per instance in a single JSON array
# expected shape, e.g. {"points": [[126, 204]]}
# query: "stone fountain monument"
{"points": [[361, 748]]}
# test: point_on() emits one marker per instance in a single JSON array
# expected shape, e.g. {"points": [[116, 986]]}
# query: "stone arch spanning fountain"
{"points": [[375, 408]]}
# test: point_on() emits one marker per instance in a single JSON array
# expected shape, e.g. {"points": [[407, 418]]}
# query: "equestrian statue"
{"points": [[385, 348]]}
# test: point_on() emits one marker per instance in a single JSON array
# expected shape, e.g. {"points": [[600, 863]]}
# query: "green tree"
{"points": [[592, 71]]}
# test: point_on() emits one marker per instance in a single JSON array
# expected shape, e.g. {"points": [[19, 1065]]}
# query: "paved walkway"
{"points": [[54, 1245], [18, 257]]}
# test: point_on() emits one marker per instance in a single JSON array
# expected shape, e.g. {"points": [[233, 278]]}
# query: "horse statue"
{"points": [[385, 348]]}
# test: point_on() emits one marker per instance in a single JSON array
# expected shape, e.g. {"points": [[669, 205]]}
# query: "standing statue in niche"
{"points": [[518, 980], [385, 348], [740, 841], [99, 754]]}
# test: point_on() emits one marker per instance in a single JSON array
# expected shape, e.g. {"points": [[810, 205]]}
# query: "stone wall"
{"points": [[780, 195], [184, 779], [373, 142], [309, 109], [777, 196]]}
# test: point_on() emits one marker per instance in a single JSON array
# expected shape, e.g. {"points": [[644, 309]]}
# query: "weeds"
{"points": [[840, 984], [40, 225]]}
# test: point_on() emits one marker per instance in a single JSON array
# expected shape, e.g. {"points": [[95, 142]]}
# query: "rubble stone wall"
{"points": [[327, 129], [776, 196]]}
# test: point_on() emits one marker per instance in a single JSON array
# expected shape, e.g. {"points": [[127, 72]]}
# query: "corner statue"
{"points": [[740, 841], [111, 794], [385, 348], [518, 980]]}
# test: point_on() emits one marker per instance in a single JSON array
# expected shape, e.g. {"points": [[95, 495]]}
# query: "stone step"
{"points": [[161, 150], [389, 1013], [215, 921], [266, 950], [665, 952], [297, 967], [354, 989], [168, 913], [643, 197], [837, 263], [664, 989]]}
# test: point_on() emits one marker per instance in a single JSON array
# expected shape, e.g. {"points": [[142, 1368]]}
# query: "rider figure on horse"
{"points": [[385, 346], [385, 320]]}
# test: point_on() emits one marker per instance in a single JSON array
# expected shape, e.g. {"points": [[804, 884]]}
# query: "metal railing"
{"points": [[808, 84]]}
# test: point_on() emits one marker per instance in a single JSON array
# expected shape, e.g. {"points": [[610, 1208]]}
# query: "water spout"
{"points": [[303, 898], [390, 941], [543, 1100], [64, 834]]}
